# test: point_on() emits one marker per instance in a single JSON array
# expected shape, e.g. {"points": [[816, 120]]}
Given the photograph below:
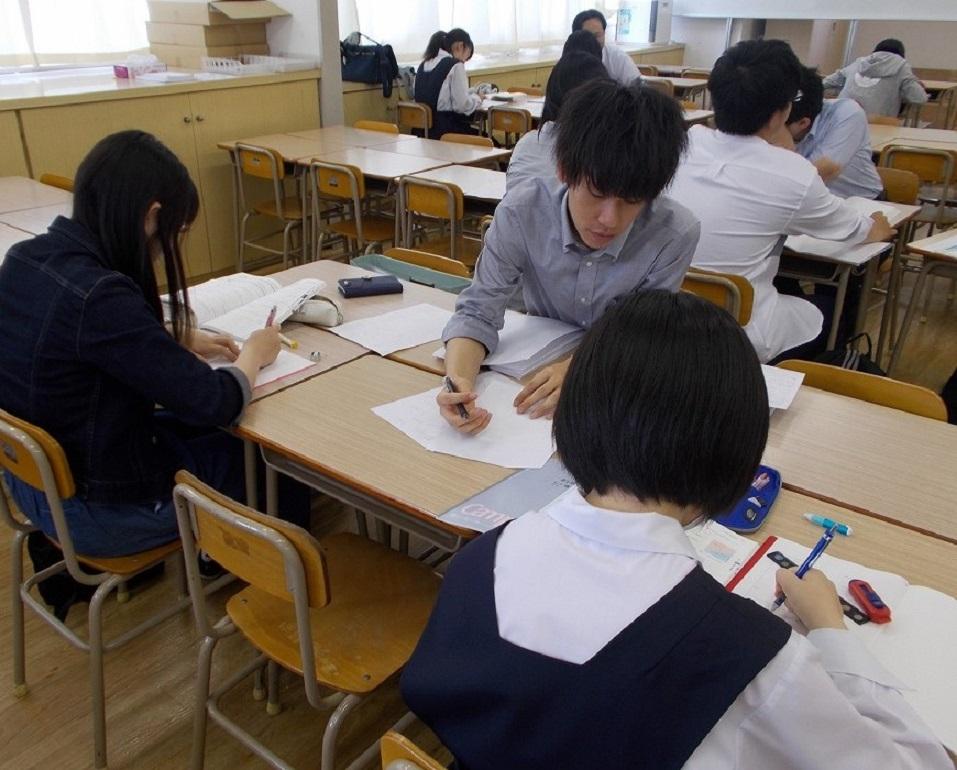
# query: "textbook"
{"points": [[239, 304]]}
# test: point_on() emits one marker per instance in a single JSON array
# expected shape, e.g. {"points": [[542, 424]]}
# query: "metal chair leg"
{"points": [[908, 319], [332, 730], [259, 689], [97, 684], [273, 706], [16, 616], [198, 752]]}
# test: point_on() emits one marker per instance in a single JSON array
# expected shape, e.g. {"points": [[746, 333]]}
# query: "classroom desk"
{"points": [[376, 163], [36, 221], [477, 183], [931, 138], [19, 192], [684, 87], [941, 91], [534, 106], [345, 136], [8, 237], [450, 152], [879, 461], [291, 147]]}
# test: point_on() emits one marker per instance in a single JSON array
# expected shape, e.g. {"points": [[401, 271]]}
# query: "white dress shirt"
{"points": [[570, 577], [533, 157], [454, 96], [748, 195], [620, 66]]}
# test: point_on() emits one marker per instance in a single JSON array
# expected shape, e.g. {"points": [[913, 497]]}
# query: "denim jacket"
{"points": [[83, 356]]}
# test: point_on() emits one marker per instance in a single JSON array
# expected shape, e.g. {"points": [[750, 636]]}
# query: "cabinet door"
{"points": [[505, 80], [12, 160], [369, 105], [58, 138], [238, 113], [541, 76]]}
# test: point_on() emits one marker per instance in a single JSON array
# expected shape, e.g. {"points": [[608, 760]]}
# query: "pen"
{"points": [[823, 521], [271, 317], [450, 387], [812, 557], [288, 342]]}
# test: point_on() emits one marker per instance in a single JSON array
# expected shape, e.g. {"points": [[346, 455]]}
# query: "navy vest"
{"points": [[646, 700], [427, 88]]}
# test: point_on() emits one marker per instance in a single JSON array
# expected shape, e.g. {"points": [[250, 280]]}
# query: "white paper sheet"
{"points": [[868, 207], [511, 440], [286, 363], [835, 250], [242, 321], [218, 296], [782, 384], [397, 330]]}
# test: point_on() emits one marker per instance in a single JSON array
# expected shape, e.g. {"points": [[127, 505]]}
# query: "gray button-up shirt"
{"points": [[532, 241]]}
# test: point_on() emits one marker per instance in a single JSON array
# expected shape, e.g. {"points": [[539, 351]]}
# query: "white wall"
{"points": [[296, 35], [927, 44], [703, 39]]}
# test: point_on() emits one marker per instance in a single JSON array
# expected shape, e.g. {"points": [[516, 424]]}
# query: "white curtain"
{"points": [[39, 31]]}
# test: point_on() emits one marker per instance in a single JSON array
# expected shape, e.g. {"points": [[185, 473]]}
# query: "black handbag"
{"points": [[369, 64], [851, 358]]}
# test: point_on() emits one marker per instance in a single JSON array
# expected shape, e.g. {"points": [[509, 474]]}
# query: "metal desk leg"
{"points": [[234, 177], [272, 491], [909, 316], [249, 463], [838, 305], [870, 277], [889, 316]]}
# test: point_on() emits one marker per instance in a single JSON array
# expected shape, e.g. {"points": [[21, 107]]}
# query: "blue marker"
{"points": [[812, 557], [822, 521]]}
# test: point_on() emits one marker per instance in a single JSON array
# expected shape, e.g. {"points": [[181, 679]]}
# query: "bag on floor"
{"points": [[851, 358]]}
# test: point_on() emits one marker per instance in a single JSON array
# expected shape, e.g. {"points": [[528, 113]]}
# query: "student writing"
{"points": [[441, 83]]}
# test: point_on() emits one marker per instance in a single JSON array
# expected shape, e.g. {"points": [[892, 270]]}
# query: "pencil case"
{"points": [[750, 511], [369, 286]]}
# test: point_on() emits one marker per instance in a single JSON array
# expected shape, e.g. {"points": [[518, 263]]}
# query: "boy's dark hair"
{"points": [[750, 82], [572, 70], [442, 41], [811, 100], [664, 400], [116, 183], [579, 21], [582, 40], [890, 45], [623, 141]]}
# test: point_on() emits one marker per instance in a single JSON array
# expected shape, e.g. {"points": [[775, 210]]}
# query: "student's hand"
{"points": [[262, 346], [827, 169], [540, 397], [208, 346], [812, 598], [477, 418], [881, 230]]}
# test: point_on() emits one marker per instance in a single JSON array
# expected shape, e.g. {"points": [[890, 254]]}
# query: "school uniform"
{"points": [[533, 157], [881, 82], [840, 132], [620, 65], [580, 637], [749, 195], [443, 85], [532, 243]]}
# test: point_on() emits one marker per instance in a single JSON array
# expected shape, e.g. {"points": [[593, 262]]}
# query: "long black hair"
{"points": [[442, 41], [117, 182], [571, 71]]}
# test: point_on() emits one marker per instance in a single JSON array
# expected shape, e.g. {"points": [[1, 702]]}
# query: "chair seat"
{"points": [[373, 228], [380, 603], [291, 207], [468, 248], [127, 565]]}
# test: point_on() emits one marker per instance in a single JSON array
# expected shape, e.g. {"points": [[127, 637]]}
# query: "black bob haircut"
{"points": [[890, 45], [579, 21], [622, 141], [582, 40], [811, 101], [665, 401], [750, 82], [572, 70]]}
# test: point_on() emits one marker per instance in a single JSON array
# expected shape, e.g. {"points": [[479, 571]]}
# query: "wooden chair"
{"points": [[701, 73], [439, 202], [664, 86], [377, 125], [648, 69], [937, 171], [55, 180], [345, 614], [530, 90], [884, 120], [732, 292], [474, 139], [429, 260], [399, 753], [414, 116], [345, 184], [870, 387], [34, 457], [900, 186], [267, 164], [512, 122]]}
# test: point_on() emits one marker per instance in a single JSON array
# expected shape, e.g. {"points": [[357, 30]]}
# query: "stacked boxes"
{"points": [[182, 32]]}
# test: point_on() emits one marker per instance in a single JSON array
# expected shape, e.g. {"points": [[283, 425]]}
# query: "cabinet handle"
{"points": [[200, 118], [187, 119]]}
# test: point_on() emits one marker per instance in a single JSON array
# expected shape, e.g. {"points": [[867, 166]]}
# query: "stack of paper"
{"points": [[782, 384], [511, 440], [397, 330], [286, 363], [528, 342]]}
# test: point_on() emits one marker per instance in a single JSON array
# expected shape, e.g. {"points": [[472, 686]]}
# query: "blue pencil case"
{"points": [[751, 510]]}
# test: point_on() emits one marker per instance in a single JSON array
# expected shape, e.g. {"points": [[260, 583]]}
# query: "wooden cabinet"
{"points": [[12, 160], [505, 80], [360, 102], [671, 56]]}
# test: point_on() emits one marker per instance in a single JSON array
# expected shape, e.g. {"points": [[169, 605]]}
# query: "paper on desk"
{"points": [[397, 330], [286, 363], [511, 440], [242, 321], [782, 385], [868, 207], [836, 250]]}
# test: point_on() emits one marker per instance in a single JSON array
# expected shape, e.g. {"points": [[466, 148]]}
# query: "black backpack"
{"points": [[369, 64], [851, 358]]}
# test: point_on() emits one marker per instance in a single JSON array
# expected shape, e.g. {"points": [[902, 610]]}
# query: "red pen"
{"points": [[271, 317]]}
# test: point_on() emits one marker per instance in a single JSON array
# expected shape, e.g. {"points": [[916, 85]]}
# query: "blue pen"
{"points": [[823, 521], [812, 557]]}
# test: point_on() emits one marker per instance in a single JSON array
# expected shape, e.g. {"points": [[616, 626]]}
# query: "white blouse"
{"points": [[454, 96]]}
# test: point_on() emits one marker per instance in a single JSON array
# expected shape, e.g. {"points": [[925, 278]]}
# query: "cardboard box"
{"points": [[207, 14], [189, 56], [249, 33]]}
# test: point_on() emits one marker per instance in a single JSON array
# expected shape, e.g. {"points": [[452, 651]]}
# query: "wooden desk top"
{"points": [[937, 86], [697, 116], [291, 147], [327, 424], [36, 221], [942, 246], [8, 237], [448, 152], [880, 461], [19, 192], [378, 164], [344, 136], [933, 138], [680, 84], [479, 183], [922, 560], [533, 105]]}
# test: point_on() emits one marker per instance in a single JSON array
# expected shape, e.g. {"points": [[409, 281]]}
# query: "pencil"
{"points": [[292, 344]]}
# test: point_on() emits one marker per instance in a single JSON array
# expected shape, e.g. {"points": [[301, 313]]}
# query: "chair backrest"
{"points": [[664, 86], [900, 186], [438, 200], [338, 180], [34, 456], [530, 90], [478, 141], [696, 72], [429, 260], [55, 180], [399, 753], [932, 166], [414, 115], [377, 125], [262, 550], [648, 69], [510, 120], [732, 292], [260, 162], [870, 387], [884, 120]]}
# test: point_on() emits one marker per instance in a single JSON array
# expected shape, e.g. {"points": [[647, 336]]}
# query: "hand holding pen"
{"points": [[270, 319], [809, 593], [812, 557]]}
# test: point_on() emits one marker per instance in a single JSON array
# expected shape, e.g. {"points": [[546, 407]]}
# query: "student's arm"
{"points": [[912, 91], [674, 260], [823, 215], [626, 71], [835, 80], [842, 140], [462, 101]]}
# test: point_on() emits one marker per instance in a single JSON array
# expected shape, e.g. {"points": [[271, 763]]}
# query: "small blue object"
{"points": [[751, 510]]}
